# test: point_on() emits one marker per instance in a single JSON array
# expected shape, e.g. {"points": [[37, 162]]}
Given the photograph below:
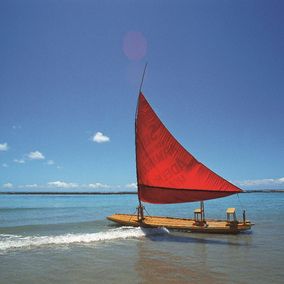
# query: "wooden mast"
{"points": [[140, 208]]}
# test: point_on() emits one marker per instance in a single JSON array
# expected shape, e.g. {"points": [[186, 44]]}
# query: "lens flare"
{"points": [[134, 45]]}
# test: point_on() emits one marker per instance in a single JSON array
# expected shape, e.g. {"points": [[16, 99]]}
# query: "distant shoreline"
{"points": [[114, 193], [66, 193], [264, 191]]}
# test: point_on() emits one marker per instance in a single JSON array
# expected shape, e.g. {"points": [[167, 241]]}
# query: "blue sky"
{"points": [[71, 69]]}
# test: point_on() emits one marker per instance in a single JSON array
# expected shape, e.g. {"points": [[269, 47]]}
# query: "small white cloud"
{"points": [[280, 180], [100, 138], [50, 162], [261, 182], [36, 155], [62, 184], [4, 165], [132, 185], [98, 185], [31, 185], [21, 161], [8, 185], [4, 147]]}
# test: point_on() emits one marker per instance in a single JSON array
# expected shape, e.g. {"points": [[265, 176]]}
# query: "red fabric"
{"points": [[167, 173]]}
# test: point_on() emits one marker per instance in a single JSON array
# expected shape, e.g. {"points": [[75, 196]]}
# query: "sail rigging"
{"points": [[166, 171]]}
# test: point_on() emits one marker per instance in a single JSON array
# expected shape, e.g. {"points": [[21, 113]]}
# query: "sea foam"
{"points": [[8, 242]]}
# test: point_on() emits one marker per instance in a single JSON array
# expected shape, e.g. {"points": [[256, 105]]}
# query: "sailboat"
{"points": [[167, 173]]}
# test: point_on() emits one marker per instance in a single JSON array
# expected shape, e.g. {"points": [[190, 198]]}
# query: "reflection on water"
{"points": [[161, 265], [191, 258]]}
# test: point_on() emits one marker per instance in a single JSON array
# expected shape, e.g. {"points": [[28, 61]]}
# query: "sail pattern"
{"points": [[166, 172]]}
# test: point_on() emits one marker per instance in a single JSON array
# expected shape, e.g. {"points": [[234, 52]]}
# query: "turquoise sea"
{"points": [[67, 239]]}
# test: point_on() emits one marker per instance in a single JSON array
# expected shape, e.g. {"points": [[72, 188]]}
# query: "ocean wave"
{"points": [[8, 242]]}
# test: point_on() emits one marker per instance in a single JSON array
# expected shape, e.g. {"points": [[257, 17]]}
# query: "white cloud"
{"points": [[98, 185], [261, 182], [50, 162], [62, 184], [132, 185], [36, 155], [4, 147], [258, 183], [8, 185], [100, 138], [4, 165], [31, 186], [21, 161]]}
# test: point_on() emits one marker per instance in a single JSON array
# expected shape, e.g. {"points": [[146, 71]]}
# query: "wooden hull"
{"points": [[211, 226]]}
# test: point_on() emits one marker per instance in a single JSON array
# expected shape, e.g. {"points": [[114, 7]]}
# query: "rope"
{"points": [[147, 212], [134, 213], [243, 208]]}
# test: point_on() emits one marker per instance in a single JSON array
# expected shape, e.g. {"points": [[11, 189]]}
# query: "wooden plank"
{"points": [[211, 226]]}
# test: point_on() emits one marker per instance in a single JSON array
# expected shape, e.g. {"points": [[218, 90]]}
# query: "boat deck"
{"points": [[182, 224]]}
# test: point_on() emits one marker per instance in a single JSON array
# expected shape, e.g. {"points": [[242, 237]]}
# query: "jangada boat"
{"points": [[168, 173]]}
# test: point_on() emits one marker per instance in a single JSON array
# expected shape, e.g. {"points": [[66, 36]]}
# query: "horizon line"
{"points": [[114, 192]]}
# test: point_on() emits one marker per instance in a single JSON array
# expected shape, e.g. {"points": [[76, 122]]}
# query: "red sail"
{"points": [[166, 172]]}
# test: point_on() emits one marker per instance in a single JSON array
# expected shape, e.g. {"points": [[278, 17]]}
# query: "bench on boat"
{"points": [[231, 217], [231, 212], [199, 219]]}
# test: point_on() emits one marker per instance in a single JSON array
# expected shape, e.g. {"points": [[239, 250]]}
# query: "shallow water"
{"points": [[66, 239]]}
